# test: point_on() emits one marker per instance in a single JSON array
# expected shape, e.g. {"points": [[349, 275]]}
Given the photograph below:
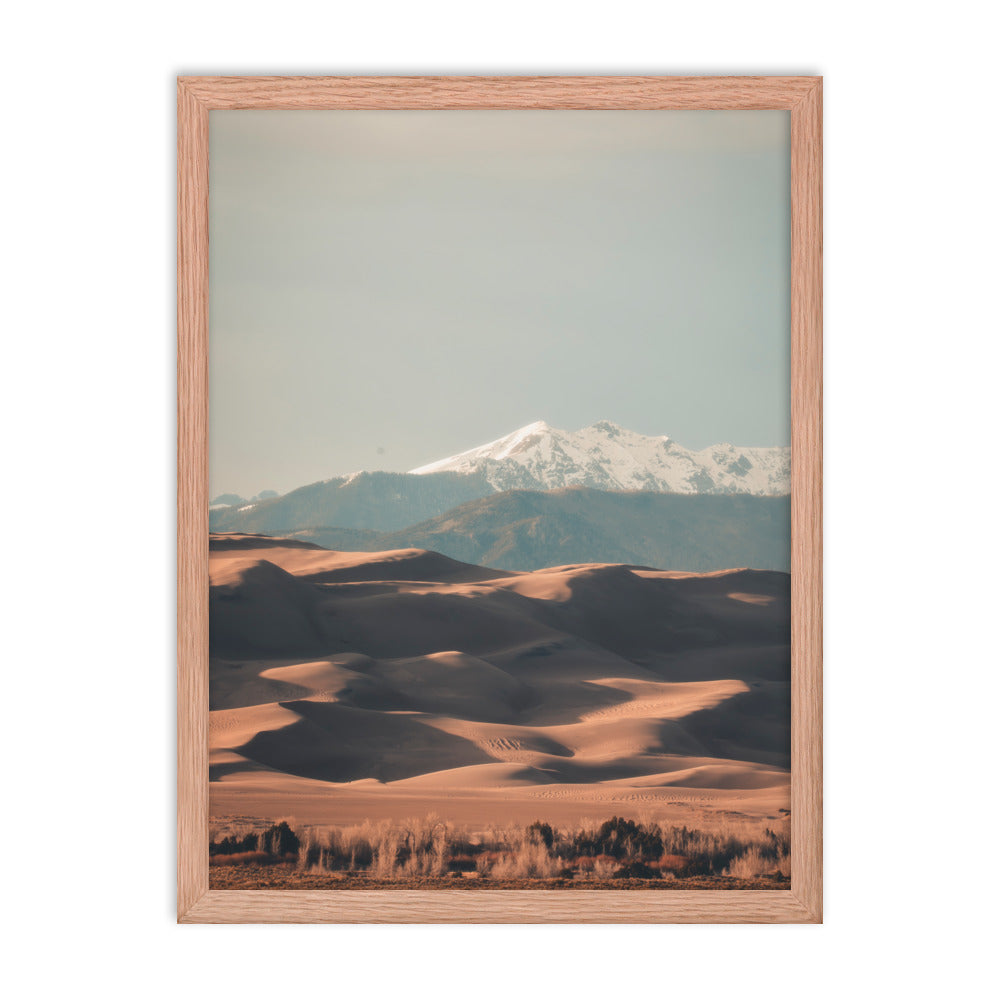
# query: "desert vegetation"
{"points": [[431, 852]]}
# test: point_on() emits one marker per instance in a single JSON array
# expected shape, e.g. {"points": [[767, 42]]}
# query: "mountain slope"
{"points": [[608, 457], [374, 501], [525, 530]]}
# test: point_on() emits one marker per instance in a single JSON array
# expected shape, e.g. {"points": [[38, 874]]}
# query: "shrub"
{"points": [[635, 869], [672, 863], [529, 861], [385, 863], [750, 864], [279, 840], [621, 838], [604, 868], [234, 845], [541, 833], [754, 863]]}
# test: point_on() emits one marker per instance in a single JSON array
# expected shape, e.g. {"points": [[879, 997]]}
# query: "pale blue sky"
{"points": [[388, 288]]}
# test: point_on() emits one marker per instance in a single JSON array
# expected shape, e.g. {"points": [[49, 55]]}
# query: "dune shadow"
{"points": [[336, 742], [754, 726]]}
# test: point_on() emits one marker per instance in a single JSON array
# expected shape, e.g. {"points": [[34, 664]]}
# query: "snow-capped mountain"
{"points": [[535, 458], [226, 500], [608, 457]]}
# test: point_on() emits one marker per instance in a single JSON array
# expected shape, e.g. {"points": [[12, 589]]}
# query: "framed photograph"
{"points": [[499, 499]]}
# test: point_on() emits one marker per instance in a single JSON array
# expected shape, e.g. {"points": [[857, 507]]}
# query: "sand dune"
{"points": [[663, 700], [343, 682], [321, 565]]}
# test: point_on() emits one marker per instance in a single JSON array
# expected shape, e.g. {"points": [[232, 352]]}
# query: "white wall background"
{"points": [[910, 490]]}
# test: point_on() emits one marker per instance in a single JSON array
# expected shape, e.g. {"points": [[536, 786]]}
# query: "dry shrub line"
{"points": [[618, 848]]}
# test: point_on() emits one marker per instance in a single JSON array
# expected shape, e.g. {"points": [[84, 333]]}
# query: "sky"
{"points": [[388, 288]]}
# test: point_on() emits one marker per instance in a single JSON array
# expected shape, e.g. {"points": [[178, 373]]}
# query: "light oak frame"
{"points": [[196, 96]]}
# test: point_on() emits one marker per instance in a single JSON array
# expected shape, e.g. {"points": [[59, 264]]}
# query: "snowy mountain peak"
{"points": [[537, 427], [606, 427], [609, 457], [503, 448]]}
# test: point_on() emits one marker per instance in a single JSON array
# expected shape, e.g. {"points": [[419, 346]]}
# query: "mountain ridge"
{"points": [[541, 497], [609, 457], [525, 530], [535, 457]]}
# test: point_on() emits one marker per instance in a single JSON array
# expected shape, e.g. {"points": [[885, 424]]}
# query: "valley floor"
{"points": [[278, 796]]}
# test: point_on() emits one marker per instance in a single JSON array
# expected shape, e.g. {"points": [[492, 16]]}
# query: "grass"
{"points": [[433, 853]]}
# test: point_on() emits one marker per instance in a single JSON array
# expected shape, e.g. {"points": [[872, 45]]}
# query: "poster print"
{"points": [[499, 460]]}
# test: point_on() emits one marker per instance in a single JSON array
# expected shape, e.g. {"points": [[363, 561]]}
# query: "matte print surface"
{"points": [[499, 463]]}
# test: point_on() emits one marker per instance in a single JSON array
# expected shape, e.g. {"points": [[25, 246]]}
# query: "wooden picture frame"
{"points": [[802, 97]]}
